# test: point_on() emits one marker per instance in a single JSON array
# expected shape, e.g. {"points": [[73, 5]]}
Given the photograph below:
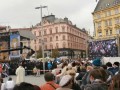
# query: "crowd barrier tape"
{"points": [[39, 70]]}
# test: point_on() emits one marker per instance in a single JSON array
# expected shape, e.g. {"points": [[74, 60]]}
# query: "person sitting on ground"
{"points": [[66, 83], [24, 86], [9, 85], [50, 84]]}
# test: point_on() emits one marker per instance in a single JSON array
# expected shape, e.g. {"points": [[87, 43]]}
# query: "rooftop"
{"points": [[103, 4], [54, 20]]}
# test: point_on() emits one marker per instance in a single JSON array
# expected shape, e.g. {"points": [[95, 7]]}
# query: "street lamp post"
{"points": [[42, 33]]}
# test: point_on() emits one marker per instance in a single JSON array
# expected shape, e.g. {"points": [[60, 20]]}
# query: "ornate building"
{"points": [[107, 19], [60, 34]]}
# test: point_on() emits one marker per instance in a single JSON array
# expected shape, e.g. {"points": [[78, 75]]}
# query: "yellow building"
{"points": [[107, 19]]}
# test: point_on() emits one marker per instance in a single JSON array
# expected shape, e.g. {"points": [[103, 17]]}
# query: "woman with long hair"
{"points": [[115, 82]]}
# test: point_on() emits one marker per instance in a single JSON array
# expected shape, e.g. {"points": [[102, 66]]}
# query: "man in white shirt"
{"points": [[9, 85]]}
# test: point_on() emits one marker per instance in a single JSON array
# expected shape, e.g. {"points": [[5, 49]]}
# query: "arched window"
{"points": [[64, 45], [68, 45], [56, 28], [50, 39], [57, 46], [39, 33], [56, 38], [63, 28], [50, 30], [51, 46], [63, 37], [45, 47]]}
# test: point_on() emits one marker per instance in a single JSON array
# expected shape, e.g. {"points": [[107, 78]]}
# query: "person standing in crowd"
{"points": [[116, 67], [50, 84], [0, 70], [109, 67], [9, 85], [20, 72], [96, 63], [109, 74], [38, 69], [34, 71], [64, 70], [115, 83], [66, 83], [98, 79], [56, 70], [86, 77]]}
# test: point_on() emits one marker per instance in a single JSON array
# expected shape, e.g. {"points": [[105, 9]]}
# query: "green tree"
{"points": [[39, 53], [55, 53]]}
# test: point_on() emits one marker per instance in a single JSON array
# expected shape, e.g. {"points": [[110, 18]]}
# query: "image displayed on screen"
{"points": [[107, 48], [14, 43]]}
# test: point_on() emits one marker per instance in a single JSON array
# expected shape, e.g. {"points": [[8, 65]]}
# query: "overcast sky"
{"points": [[22, 13]]}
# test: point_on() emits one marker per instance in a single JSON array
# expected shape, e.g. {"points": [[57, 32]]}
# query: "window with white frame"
{"points": [[99, 33], [117, 20], [116, 11], [110, 22], [118, 31], [99, 24], [108, 13], [110, 32], [106, 23], [107, 33], [98, 16]]}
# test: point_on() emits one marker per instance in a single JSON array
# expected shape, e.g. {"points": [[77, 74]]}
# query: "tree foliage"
{"points": [[55, 53], [39, 53]]}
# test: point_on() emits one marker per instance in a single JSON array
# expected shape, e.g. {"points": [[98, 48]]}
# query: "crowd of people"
{"points": [[69, 75]]}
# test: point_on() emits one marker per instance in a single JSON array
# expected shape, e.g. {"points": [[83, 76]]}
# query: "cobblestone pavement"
{"points": [[31, 79]]}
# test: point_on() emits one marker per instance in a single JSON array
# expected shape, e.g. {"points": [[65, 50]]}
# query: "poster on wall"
{"points": [[107, 48], [4, 46], [14, 43]]}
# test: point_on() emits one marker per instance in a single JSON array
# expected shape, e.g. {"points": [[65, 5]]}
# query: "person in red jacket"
{"points": [[50, 84]]}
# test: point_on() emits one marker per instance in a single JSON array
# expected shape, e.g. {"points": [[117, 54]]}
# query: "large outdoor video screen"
{"points": [[107, 48], [15, 43]]}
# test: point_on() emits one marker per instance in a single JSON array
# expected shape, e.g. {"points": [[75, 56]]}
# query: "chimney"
{"points": [[66, 19]]}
